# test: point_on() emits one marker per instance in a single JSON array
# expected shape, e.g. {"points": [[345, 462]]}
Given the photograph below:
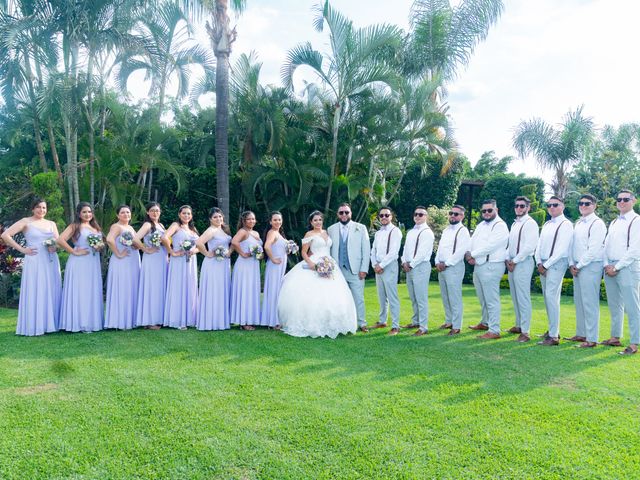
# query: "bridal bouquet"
{"points": [[48, 243], [325, 267], [220, 253], [187, 245], [126, 239], [95, 242], [257, 252], [155, 239], [292, 248]]}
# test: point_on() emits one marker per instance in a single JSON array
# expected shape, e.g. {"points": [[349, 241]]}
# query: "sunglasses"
{"points": [[454, 214], [419, 214], [585, 204], [520, 205], [384, 215], [487, 210], [623, 199], [344, 212], [552, 205]]}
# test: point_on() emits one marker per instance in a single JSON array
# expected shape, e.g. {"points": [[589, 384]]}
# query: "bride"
{"points": [[311, 305]]}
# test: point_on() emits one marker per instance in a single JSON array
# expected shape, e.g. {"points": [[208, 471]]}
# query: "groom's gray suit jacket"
{"points": [[358, 247]]}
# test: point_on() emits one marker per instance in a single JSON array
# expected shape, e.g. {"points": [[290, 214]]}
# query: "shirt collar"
{"points": [[523, 218], [589, 217], [559, 218], [420, 226]]}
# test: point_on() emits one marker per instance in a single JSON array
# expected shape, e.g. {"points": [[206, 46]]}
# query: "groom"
{"points": [[350, 248]]}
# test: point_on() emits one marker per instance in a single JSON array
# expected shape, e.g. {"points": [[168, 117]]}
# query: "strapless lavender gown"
{"points": [[82, 309], [40, 287], [215, 288], [122, 288], [245, 287], [152, 288], [273, 275], [180, 307]]}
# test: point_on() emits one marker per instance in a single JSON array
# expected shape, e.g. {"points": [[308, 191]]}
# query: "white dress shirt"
{"points": [[523, 238], [388, 236], [425, 245], [588, 241], [344, 230], [489, 241], [454, 234], [616, 243], [562, 247]]}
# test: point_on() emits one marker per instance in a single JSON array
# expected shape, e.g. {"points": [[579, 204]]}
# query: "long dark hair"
{"points": [[225, 227], [191, 225], [77, 221], [147, 218], [311, 215], [268, 227], [243, 218]]}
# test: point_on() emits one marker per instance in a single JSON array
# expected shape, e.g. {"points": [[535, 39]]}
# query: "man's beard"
{"points": [[488, 220], [454, 222], [344, 222]]}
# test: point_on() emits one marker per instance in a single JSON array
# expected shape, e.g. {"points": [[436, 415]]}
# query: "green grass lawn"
{"points": [[174, 404]]}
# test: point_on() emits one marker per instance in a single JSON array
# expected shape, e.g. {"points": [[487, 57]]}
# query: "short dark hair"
{"points": [[522, 198], [555, 197], [626, 190], [344, 204], [460, 207], [421, 207], [589, 197], [491, 201], [384, 208]]}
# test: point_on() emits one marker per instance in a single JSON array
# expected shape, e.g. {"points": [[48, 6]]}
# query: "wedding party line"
{"points": [[323, 295]]}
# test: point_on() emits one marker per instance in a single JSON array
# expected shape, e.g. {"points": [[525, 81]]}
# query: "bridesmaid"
{"points": [[245, 283], [182, 284], [153, 273], [275, 246], [81, 309], [124, 273], [215, 275], [40, 286]]}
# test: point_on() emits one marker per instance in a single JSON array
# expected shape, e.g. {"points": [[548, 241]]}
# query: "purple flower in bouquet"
{"points": [[220, 253], [126, 238], [187, 245], [49, 243], [95, 242], [257, 252], [292, 248], [325, 267]]}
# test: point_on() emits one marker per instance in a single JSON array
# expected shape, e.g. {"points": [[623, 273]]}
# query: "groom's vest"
{"points": [[343, 252]]}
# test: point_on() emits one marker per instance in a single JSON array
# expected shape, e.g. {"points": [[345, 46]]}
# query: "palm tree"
{"points": [[555, 149], [357, 60]]}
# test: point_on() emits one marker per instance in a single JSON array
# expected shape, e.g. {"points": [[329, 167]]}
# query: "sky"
{"points": [[542, 59]]}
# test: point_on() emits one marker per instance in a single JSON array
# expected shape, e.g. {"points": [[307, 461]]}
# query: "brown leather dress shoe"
{"points": [[445, 326], [394, 331], [515, 330], [411, 325], [420, 332], [611, 342], [575, 338], [479, 326], [549, 341], [379, 325], [586, 344], [523, 338], [453, 331], [629, 351], [489, 336]]}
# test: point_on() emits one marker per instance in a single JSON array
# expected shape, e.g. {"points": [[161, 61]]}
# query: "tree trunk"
{"points": [[38, 139], [54, 150], [334, 156], [222, 131], [92, 150]]}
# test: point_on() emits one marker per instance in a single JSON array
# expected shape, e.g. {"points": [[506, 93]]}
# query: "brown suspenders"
{"points": [[389, 239], [628, 229], [555, 238], [520, 234], [494, 226]]}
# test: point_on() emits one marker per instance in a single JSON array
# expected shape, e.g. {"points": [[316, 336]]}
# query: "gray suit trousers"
{"points": [[623, 294], [486, 279], [586, 296], [451, 291], [357, 292], [387, 286], [418, 287], [520, 288], [551, 290]]}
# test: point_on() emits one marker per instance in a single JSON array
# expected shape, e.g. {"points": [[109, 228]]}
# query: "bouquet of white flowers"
{"points": [[155, 239], [257, 252], [220, 253], [49, 243], [126, 239], [95, 242], [187, 245], [325, 267]]}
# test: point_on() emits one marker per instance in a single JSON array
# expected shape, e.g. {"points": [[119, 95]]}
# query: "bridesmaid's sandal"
{"points": [[247, 327]]}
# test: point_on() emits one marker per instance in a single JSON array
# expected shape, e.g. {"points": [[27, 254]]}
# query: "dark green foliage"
{"points": [[45, 186], [505, 188]]}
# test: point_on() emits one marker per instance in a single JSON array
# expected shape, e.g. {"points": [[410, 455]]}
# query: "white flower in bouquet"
{"points": [[326, 267], [95, 242], [155, 239], [187, 245], [126, 239], [292, 248], [257, 252], [49, 243], [220, 253]]}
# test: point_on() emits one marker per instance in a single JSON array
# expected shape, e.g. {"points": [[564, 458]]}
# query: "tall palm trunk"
{"points": [[334, 155], [36, 120], [54, 150], [91, 133]]}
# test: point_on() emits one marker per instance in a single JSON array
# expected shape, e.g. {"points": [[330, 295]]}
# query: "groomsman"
{"points": [[487, 255], [416, 262], [523, 239], [552, 258], [585, 264], [350, 248], [453, 245], [384, 260], [622, 272]]}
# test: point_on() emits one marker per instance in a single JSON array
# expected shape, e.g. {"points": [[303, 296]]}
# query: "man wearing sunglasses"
{"points": [[585, 264], [523, 239], [350, 248], [384, 260], [453, 244], [487, 255], [622, 272], [416, 262], [552, 259]]}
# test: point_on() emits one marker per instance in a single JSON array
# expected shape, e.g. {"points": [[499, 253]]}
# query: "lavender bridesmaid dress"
{"points": [[122, 288], [215, 286], [245, 287], [272, 282], [180, 306], [40, 287], [82, 309], [152, 289]]}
